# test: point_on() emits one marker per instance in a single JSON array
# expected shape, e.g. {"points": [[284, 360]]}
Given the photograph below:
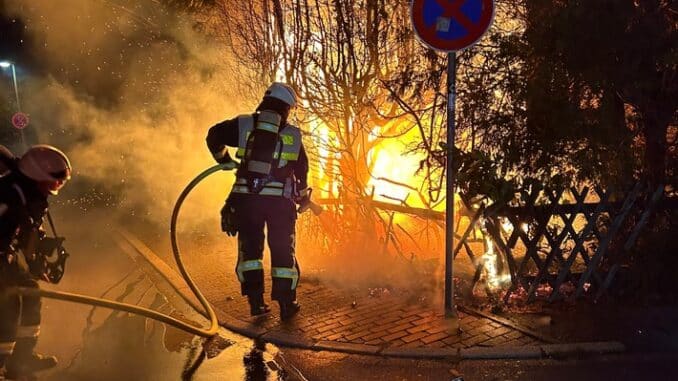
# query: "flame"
{"points": [[493, 278], [391, 164], [507, 226]]}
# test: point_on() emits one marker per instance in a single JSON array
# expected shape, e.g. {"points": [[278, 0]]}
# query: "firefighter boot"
{"points": [[257, 305], [288, 309], [24, 361], [35, 363]]}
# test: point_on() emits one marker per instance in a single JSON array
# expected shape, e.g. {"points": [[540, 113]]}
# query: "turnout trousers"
{"points": [[19, 317], [278, 214]]}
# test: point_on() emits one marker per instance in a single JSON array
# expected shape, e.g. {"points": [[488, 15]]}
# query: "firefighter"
{"points": [[271, 177], [25, 184]]}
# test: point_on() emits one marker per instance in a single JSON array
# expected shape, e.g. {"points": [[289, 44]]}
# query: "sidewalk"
{"points": [[380, 323]]}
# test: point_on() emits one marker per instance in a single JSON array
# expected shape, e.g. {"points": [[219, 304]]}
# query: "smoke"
{"points": [[128, 92]]}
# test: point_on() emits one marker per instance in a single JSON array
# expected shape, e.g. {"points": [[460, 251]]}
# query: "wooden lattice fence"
{"points": [[567, 239], [552, 243]]}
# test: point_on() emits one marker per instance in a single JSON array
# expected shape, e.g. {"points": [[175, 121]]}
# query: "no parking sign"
{"points": [[20, 120], [451, 25]]}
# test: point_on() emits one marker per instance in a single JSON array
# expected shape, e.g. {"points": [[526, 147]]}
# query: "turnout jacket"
{"points": [[22, 208], [292, 160]]}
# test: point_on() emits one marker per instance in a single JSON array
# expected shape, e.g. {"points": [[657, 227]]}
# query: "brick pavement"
{"points": [[350, 316]]}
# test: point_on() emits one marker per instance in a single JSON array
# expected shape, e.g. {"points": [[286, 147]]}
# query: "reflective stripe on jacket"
{"points": [[273, 188]]}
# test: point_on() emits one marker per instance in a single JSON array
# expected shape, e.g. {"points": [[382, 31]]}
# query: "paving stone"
{"points": [[425, 320], [420, 327], [332, 321], [382, 325], [414, 336], [303, 323], [437, 344], [475, 340], [485, 328], [434, 337], [478, 322], [412, 312], [495, 341], [441, 326], [334, 336], [358, 335], [328, 327], [498, 331], [426, 313], [452, 340], [400, 327], [373, 336], [395, 335], [365, 326]]}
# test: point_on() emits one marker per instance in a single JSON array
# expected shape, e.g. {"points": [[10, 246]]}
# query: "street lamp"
{"points": [[5, 65]]}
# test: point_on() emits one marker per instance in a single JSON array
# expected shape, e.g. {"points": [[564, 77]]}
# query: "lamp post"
{"points": [[5, 65]]}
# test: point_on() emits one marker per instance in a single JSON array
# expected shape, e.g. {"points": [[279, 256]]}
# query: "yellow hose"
{"points": [[99, 302]]}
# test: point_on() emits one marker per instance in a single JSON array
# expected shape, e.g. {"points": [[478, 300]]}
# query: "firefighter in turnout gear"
{"points": [[25, 184], [270, 179]]}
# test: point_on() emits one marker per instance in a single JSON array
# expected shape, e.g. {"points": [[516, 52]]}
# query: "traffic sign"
{"points": [[20, 120], [451, 25]]}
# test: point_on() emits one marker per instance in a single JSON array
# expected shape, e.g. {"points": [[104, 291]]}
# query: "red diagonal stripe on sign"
{"points": [[452, 9]]}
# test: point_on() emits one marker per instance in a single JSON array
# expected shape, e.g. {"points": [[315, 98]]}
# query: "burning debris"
{"points": [[494, 273], [491, 262]]}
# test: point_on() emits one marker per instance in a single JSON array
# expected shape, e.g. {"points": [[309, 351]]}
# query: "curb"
{"points": [[356, 349], [593, 348], [422, 353], [490, 353], [136, 250]]}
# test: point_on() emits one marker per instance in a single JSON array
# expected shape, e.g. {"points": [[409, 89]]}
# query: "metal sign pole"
{"points": [[450, 309]]}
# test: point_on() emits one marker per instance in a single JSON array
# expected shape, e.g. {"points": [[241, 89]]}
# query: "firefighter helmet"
{"points": [[282, 92], [46, 165]]}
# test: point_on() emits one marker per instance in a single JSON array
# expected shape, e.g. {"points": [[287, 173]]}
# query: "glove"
{"points": [[303, 196], [228, 220], [226, 161]]}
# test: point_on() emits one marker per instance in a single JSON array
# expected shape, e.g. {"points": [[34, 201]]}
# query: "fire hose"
{"points": [[210, 332]]}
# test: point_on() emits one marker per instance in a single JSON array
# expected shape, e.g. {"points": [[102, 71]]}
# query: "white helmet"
{"points": [[282, 92], [45, 164]]}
